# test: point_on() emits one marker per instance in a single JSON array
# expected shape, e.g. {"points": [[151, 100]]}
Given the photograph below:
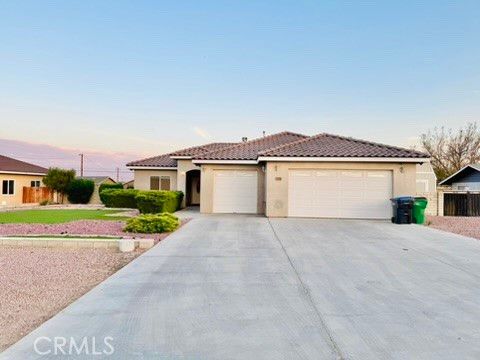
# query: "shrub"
{"points": [[59, 180], [152, 223], [108, 186], [80, 191], [151, 202], [179, 199], [120, 198]]}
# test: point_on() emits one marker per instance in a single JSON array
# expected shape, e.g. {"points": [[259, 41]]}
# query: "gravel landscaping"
{"points": [[467, 226], [37, 283], [80, 228]]}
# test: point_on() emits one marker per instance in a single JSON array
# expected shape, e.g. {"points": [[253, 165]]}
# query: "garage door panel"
{"points": [[340, 193], [235, 191]]}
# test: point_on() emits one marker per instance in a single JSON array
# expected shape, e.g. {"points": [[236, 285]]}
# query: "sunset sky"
{"points": [[128, 79]]}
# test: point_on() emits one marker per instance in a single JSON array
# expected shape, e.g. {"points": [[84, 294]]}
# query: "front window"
{"points": [[159, 183], [8, 187], [165, 183], [35, 183], [154, 183]]}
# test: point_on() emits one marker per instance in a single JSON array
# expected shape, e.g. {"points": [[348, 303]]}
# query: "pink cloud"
{"points": [[95, 163]]}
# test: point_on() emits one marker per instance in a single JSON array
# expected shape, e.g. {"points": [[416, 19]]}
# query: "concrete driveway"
{"points": [[240, 287]]}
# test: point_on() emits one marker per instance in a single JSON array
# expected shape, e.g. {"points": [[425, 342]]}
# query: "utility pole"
{"points": [[81, 165], [118, 174]]}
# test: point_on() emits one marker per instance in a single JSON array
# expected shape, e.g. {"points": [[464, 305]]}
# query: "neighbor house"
{"points": [[98, 180], [466, 179], [17, 179], [287, 174]]}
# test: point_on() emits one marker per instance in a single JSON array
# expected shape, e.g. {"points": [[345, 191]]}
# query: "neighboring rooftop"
{"points": [[249, 150], [98, 179], [328, 145], [167, 161], [462, 173], [8, 164]]}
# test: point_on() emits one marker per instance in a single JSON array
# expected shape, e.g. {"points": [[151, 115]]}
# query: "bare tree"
{"points": [[450, 150]]}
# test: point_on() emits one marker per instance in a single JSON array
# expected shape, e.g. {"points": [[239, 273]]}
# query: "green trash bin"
{"points": [[418, 212]]}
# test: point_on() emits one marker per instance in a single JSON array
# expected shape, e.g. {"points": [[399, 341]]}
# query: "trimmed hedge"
{"points": [[148, 202], [152, 202], [108, 186], [152, 223], [79, 191], [119, 198]]}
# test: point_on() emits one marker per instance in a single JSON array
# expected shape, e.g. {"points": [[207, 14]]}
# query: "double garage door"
{"points": [[357, 194], [235, 191]]}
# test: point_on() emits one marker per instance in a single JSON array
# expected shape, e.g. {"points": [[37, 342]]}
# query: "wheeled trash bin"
{"points": [[402, 209], [418, 212]]}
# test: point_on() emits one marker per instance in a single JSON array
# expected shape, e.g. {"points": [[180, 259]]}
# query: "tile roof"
{"points": [[156, 161], [165, 160], [13, 165], [249, 150], [197, 150], [327, 145]]}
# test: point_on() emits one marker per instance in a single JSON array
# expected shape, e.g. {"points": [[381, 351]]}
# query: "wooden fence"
{"points": [[36, 194], [461, 204]]}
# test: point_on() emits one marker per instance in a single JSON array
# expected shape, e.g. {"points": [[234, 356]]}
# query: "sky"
{"points": [[129, 79]]}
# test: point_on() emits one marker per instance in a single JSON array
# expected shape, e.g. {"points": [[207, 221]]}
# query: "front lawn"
{"points": [[56, 216]]}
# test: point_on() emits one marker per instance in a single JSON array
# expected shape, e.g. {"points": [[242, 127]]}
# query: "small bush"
{"points": [[45, 202], [152, 223], [179, 199], [152, 202], [119, 198], [80, 191], [108, 186]]}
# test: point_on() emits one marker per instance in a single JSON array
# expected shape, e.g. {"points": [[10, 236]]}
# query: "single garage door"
{"points": [[235, 191], [355, 194]]}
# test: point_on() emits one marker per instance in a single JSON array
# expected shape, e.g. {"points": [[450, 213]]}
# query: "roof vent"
{"points": [[244, 139]]}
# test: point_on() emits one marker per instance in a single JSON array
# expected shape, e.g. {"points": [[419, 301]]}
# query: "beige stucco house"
{"points": [[15, 175], [288, 175]]}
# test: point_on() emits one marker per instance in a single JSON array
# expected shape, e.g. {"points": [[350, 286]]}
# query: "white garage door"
{"points": [[355, 194], [235, 191]]}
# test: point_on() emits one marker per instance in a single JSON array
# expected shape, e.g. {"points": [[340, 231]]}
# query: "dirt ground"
{"points": [[36, 283], [467, 226]]}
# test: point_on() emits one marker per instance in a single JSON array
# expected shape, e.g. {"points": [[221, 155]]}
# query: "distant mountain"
{"points": [[95, 163]]}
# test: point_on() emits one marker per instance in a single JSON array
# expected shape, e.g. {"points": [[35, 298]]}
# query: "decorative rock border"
{"points": [[124, 245]]}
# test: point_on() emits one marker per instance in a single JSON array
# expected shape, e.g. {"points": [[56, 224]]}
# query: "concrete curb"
{"points": [[73, 243]]}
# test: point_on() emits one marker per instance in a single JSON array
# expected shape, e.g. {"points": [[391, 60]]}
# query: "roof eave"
{"points": [[23, 172], [343, 159], [180, 157], [216, 161]]}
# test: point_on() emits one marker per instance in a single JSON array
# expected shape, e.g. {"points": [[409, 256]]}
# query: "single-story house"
{"points": [[174, 171], [15, 175], [465, 179], [287, 174], [98, 180], [128, 184]]}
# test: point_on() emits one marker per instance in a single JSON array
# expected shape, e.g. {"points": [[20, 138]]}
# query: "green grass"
{"points": [[55, 216]]}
